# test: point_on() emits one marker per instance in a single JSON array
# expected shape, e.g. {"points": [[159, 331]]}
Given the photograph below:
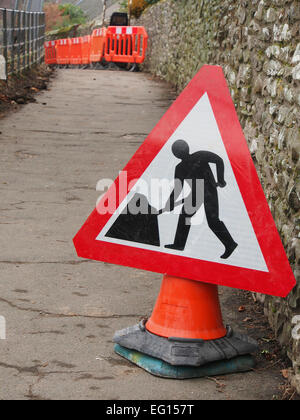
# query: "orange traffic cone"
{"points": [[187, 309], [185, 335]]}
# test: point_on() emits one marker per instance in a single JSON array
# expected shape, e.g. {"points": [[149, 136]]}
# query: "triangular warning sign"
{"points": [[189, 203]]}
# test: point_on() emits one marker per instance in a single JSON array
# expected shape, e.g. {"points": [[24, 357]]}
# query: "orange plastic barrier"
{"points": [[126, 44], [98, 40], [50, 52], [86, 49], [63, 51], [76, 51], [120, 44]]}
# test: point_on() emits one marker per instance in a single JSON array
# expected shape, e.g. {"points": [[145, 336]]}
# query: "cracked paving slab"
{"points": [[62, 312]]}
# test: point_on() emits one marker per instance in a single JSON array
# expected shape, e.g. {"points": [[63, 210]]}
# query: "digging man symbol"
{"points": [[192, 169]]}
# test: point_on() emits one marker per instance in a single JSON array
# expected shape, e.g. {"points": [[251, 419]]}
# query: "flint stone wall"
{"points": [[257, 43]]}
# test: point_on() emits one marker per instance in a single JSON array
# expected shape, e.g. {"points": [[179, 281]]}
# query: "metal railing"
{"points": [[22, 36], [27, 5]]}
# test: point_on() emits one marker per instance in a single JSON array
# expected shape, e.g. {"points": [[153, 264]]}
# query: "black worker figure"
{"points": [[195, 167]]}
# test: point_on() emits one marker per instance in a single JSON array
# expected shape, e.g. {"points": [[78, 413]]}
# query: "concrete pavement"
{"points": [[62, 312]]}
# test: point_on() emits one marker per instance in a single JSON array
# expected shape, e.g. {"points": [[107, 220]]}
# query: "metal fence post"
{"points": [[31, 39], [5, 40], [41, 36], [43, 33], [34, 38], [27, 39], [12, 31], [29, 5], [24, 39], [19, 40]]}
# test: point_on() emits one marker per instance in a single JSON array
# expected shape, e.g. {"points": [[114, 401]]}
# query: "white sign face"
{"points": [[2, 68], [220, 229]]}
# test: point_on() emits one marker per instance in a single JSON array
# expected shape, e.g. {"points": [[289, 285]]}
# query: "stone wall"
{"points": [[258, 44]]}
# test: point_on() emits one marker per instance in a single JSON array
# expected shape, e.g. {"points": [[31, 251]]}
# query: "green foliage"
{"points": [[73, 15], [124, 6], [137, 6]]}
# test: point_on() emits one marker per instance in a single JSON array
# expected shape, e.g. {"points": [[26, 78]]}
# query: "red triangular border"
{"points": [[279, 280]]}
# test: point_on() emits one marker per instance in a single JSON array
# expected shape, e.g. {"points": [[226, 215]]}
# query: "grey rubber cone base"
{"points": [[182, 352], [162, 369]]}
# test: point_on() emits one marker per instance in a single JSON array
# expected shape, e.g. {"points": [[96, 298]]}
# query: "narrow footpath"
{"points": [[61, 312]]}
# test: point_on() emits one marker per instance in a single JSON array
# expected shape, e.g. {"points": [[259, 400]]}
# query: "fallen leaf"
{"points": [[242, 309], [285, 373], [247, 319]]}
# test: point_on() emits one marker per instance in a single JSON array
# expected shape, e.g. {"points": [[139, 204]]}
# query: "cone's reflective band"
{"points": [[187, 309]]}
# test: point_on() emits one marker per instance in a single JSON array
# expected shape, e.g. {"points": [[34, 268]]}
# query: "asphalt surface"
{"points": [[61, 312]]}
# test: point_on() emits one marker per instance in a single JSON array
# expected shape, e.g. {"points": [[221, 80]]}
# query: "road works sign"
{"points": [[189, 203]]}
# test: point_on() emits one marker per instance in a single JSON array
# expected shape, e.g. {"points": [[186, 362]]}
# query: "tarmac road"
{"points": [[61, 312]]}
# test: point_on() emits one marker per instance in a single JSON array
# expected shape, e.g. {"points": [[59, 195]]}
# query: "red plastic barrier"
{"points": [[126, 44], [86, 49], [50, 52], [63, 51], [97, 45], [76, 51]]}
